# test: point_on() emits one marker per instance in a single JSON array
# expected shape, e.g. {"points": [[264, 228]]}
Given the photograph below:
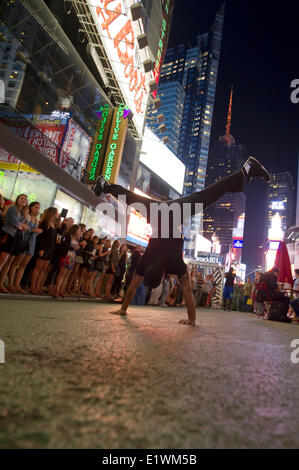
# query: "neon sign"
{"points": [[97, 153], [115, 145]]}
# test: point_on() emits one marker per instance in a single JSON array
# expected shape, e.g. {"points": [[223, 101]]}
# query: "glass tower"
{"points": [[172, 95], [196, 70]]}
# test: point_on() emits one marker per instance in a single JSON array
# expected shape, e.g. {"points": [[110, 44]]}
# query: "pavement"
{"points": [[77, 377]]}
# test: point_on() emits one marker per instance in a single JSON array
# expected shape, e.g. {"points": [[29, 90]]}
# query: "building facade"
{"points": [[59, 78], [281, 200], [196, 70]]}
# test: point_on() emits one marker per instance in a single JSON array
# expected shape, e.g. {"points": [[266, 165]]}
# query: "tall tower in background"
{"points": [[223, 217]]}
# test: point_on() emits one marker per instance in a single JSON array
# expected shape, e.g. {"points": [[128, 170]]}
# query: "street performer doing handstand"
{"points": [[164, 255]]}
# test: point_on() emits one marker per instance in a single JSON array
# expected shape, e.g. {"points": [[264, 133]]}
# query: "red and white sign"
{"points": [[118, 38], [46, 135]]}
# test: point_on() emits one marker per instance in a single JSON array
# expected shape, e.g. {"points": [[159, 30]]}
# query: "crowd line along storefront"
{"points": [[39, 188]]}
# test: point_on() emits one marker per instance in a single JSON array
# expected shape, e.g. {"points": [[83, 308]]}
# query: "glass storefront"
{"points": [[64, 201], [14, 181]]}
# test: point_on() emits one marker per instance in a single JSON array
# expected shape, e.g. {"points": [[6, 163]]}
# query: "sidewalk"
{"points": [[76, 376]]}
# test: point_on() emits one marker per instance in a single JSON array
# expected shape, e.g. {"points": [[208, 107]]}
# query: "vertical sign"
{"points": [[163, 41], [115, 144], [97, 154]]}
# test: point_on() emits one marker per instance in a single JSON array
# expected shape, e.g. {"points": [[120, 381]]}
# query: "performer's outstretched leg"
{"points": [[230, 184]]}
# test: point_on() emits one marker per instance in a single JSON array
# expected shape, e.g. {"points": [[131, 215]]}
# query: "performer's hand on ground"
{"points": [[119, 312], [187, 322]]}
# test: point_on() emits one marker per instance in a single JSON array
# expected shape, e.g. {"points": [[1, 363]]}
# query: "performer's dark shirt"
{"points": [[230, 279]]}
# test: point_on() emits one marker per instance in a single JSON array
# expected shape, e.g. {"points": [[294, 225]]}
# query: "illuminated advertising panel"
{"points": [[278, 205], [97, 154], [159, 159], [118, 38], [238, 243], [52, 129], [275, 234], [273, 245], [115, 145], [46, 136], [138, 231], [76, 143], [75, 149]]}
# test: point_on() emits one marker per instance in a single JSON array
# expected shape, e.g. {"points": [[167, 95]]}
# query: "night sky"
{"points": [[260, 57]]}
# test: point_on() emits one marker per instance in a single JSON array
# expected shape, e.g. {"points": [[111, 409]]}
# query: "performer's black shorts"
{"points": [[168, 252]]}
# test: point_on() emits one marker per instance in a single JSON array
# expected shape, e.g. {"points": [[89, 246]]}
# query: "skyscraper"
{"points": [[222, 217], [195, 68], [172, 95]]}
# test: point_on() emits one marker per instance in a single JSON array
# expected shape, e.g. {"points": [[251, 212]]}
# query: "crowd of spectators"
{"points": [[46, 254], [255, 296]]}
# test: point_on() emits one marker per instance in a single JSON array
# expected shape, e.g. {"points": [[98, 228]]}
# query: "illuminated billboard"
{"points": [[159, 159], [273, 245], [45, 133], [118, 36], [76, 145], [278, 205], [138, 231]]}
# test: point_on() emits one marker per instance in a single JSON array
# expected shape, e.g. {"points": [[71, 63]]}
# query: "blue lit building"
{"points": [[172, 95], [195, 68]]}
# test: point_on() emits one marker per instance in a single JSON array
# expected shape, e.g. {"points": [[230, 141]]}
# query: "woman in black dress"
{"points": [[121, 269], [45, 244]]}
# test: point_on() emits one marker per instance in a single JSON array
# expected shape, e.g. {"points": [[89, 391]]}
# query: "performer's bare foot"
{"points": [[187, 322], [119, 312]]}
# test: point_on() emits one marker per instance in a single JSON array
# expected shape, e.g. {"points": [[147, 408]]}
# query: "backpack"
{"points": [[278, 312]]}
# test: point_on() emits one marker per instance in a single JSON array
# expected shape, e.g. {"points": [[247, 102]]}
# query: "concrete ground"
{"points": [[77, 377]]}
